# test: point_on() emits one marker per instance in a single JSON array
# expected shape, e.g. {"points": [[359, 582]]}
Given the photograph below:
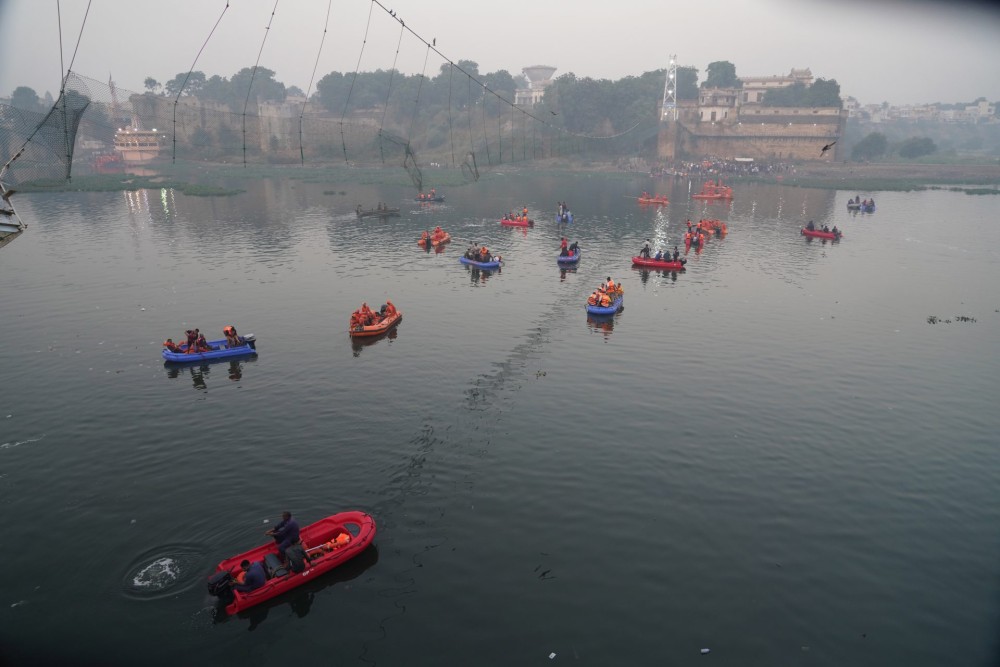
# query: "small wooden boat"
{"points": [[361, 331], [378, 212], [328, 543], [820, 234], [218, 351], [659, 263]]}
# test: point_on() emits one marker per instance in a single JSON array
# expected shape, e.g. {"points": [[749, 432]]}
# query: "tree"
{"points": [[873, 146], [295, 91], [721, 74], [25, 98], [915, 147], [195, 81], [152, 85], [687, 83]]}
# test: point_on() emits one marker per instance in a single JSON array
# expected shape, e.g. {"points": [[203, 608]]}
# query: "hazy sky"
{"points": [[881, 50]]}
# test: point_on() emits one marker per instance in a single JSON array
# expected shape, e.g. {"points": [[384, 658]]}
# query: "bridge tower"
{"points": [[668, 110]]}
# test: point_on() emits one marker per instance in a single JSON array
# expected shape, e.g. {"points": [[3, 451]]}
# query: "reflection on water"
{"points": [[200, 371], [602, 324], [360, 343]]}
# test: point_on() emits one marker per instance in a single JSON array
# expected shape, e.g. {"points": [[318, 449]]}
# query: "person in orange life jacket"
{"points": [[253, 577], [192, 340], [171, 346], [202, 344], [611, 285], [233, 339]]}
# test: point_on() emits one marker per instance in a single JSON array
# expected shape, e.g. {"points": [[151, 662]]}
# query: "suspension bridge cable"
{"points": [[364, 41], [173, 158], [253, 74], [302, 153], [62, 72], [451, 130], [416, 102], [388, 91], [78, 38]]}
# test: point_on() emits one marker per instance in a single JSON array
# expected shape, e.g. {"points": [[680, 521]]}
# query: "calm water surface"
{"points": [[773, 455]]}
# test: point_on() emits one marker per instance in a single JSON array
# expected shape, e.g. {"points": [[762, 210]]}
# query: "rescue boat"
{"points": [[328, 543], [435, 242], [518, 223], [381, 327], [713, 190], [820, 234], [569, 259], [428, 198], [218, 351], [615, 306], [653, 200], [658, 264], [481, 265]]}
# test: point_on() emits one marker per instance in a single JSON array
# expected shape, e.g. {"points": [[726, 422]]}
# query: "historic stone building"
{"points": [[731, 123]]}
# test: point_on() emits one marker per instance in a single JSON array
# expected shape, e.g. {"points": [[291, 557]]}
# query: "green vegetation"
{"points": [[873, 146], [917, 147], [822, 93], [721, 74]]}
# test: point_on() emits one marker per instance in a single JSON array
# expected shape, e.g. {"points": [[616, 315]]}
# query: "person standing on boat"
{"points": [[677, 253], [285, 533], [645, 250]]}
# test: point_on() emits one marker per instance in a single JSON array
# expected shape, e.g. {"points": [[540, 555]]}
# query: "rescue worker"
{"points": [[171, 346], [233, 339], [253, 577], [285, 534]]}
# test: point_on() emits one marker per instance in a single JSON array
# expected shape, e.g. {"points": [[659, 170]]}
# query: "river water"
{"points": [[787, 454]]}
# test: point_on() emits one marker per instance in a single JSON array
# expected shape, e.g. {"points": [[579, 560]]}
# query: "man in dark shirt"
{"points": [[285, 533], [253, 579]]}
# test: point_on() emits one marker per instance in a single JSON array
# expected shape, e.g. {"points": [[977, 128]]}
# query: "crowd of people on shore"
{"points": [[713, 166], [195, 342]]}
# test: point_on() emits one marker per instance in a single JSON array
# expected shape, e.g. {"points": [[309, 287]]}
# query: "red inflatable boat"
{"points": [[658, 264], [820, 234], [329, 542]]}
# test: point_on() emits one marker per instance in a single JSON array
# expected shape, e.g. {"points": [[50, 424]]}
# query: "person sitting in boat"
{"points": [[251, 578], [811, 227], [610, 285], [390, 309], [285, 534], [438, 232], [826, 229], [433, 193], [658, 256], [202, 344], [171, 346], [836, 232], [192, 340], [574, 248]]}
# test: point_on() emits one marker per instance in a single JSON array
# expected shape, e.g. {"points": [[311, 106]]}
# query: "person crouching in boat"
{"points": [[233, 339], [202, 344], [171, 346], [192, 341], [390, 309], [285, 534]]}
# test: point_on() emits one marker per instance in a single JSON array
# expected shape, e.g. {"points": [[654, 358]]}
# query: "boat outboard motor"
{"points": [[220, 585], [250, 340]]}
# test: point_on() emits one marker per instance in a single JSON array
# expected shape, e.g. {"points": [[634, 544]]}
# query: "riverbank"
{"points": [[208, 179]]}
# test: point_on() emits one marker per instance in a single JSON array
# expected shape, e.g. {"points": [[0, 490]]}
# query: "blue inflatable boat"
{"points": [[565, 218], [610, 310], [569, 259], [481, 265], [218, 351]]}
